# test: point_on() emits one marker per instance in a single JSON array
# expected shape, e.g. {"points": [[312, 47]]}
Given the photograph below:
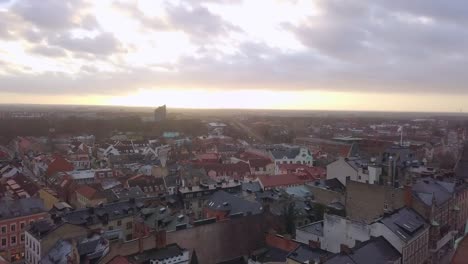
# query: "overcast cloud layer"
{"points": [[114, 47]]}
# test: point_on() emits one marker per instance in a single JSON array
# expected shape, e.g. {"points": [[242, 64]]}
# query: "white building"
{"points": [[405, 229], [355, 169], [291, 155]]}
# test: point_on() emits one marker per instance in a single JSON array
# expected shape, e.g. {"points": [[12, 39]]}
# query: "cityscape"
{"points": [[233, 132]]}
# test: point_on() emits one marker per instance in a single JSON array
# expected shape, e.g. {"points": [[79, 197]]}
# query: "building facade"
{"points": [[15, 216]]}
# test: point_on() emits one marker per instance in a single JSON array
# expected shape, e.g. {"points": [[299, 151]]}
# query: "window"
{"points": [[129, 237], [119, 223], [4, 229], [22, 239], [22, 224], [4, 242], [13, 240], [129, 225], [12, 227]]}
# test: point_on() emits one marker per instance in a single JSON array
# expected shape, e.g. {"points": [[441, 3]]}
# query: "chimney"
{"points": [[160, 239], [345, 249], [314, 244], [408, 196]]}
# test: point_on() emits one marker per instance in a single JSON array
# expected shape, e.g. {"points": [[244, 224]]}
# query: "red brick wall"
{"points": [[280, 242], [18, 248]]}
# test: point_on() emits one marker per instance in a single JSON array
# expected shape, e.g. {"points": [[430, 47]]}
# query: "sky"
{"points": [[396, 55]]}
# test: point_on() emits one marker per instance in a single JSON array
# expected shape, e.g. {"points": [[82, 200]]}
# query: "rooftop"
{"points": [[41, 228], [314, 228], [405, 223], [21, 207], [429, 189], [223, 201], [204, 187], [379, 250], [289, 153], [304, 254], [271, 181], [170, 251], [269, 254], [99, 214]]}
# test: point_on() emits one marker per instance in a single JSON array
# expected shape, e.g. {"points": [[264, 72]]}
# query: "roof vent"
{"points": [[225, 204], [162, 210]]}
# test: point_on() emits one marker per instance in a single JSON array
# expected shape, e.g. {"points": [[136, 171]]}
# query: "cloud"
{"points": [[198, 22], [102, 44], [48, 51], [49, 14], [188, 16], [398, 46]]}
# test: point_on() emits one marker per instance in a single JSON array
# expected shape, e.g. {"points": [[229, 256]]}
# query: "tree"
{"points": [[290, 218]]}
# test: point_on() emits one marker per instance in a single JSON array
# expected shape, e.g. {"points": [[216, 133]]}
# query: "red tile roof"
{"points": [[257, 163], [87, 191], [4, 155], [208, 156], [317, 172], [58, 164], [240, 168]]}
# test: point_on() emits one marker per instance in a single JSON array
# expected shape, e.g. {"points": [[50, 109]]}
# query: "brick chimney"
{"points": [[345, 249], [408, 196], [314, 244], [160, 238]]}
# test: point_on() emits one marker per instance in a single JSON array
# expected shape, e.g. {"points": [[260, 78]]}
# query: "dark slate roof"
{"points": [[41, 228], [341, 259], [304, 253], [128, 193], [236, 260], [251, 186], [427, 188], [21, 207], [375, 251], [269, 254], [314, 228], [379, 250], [89, 246], [224, 201], [162, 218], [289, 153], [329, 184], [405, 223], [170, 251], [59, 253], [114, 211]]}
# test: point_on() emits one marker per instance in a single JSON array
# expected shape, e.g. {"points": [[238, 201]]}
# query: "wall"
{"points": [[340, 169], [338, 230], [375, 199], [212, 242], [65, 231], [15, 250], [48, 198], [324, 196], [305, 237]]}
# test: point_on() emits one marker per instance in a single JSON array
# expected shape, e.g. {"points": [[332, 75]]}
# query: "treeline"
{"points": [[10, 128]]}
